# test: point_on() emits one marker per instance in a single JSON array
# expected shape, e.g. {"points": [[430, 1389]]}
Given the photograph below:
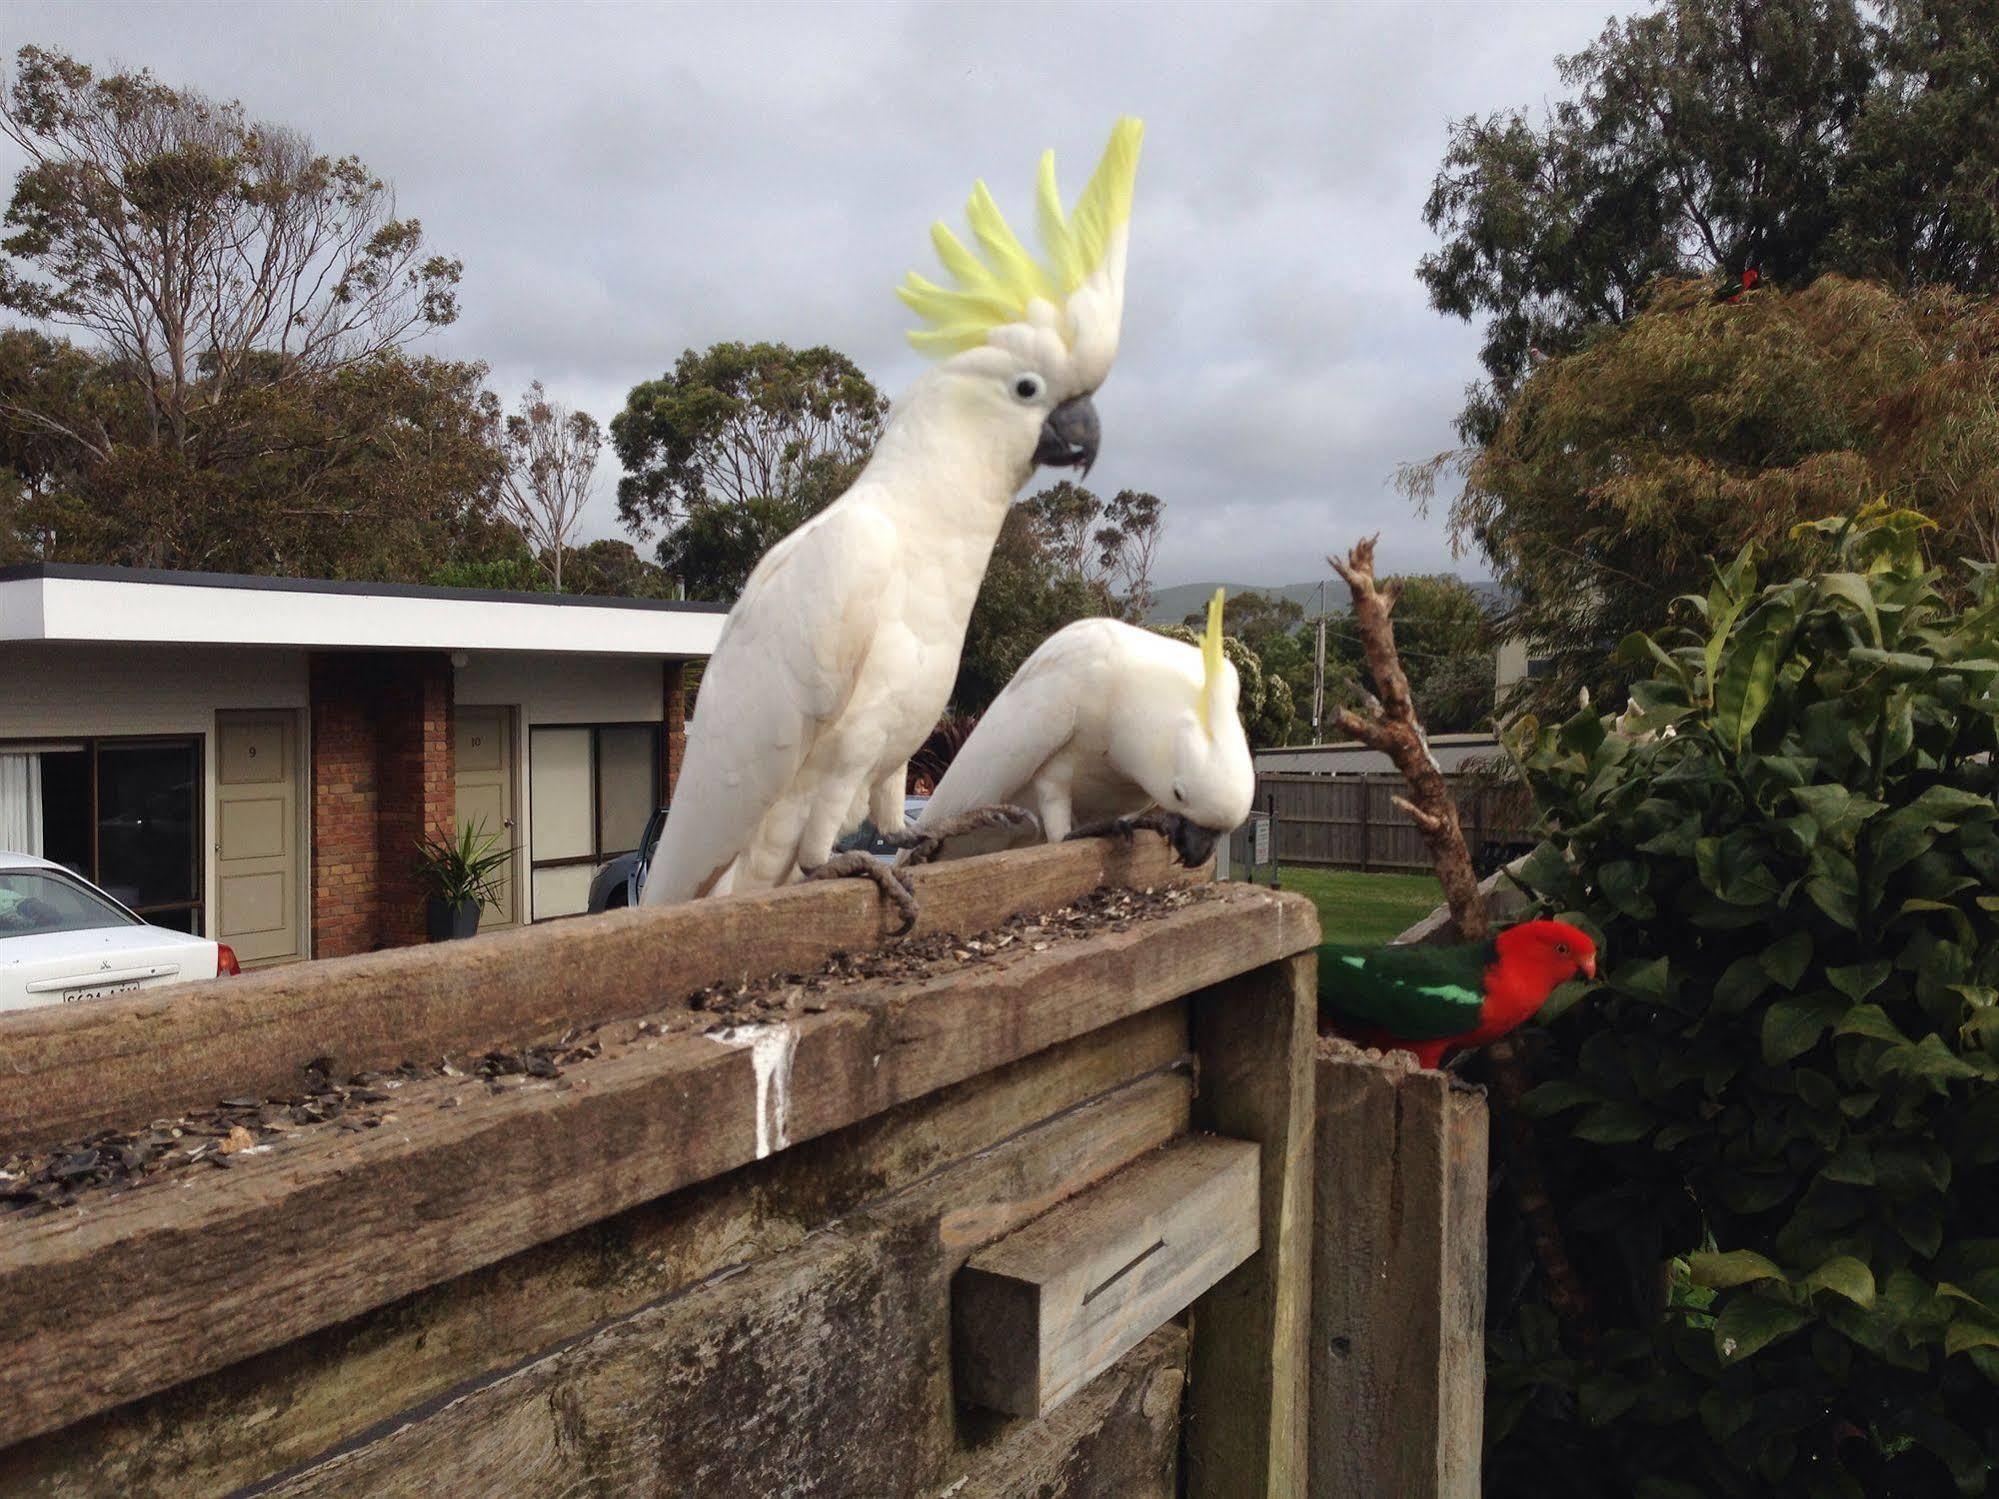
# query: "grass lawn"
{"points": [[1364, 908]]}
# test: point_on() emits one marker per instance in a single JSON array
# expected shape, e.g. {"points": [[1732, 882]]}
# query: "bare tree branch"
{"points": [[1392, 727], [1129, 545], [211, 254], [551, 455]]}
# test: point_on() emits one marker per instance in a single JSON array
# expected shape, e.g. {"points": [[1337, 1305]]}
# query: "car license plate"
{"points": [[71, 996]]}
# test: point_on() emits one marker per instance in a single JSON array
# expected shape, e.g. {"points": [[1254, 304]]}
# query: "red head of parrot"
{"points": [[1546, 953]]}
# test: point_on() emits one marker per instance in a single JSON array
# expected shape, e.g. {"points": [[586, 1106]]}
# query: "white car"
{"points": [[63, 939]]}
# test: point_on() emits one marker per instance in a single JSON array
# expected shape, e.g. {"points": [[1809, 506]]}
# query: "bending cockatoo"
{"points": [[1103, 722], [841, 651]]}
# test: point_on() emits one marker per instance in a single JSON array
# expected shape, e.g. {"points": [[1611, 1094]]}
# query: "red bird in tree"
{"points": [[1434, 1000], [1752, 277]]}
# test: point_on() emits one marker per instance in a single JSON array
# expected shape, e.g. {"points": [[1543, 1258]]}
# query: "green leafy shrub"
{"points": [[1266, 705], [1774, 1129]]}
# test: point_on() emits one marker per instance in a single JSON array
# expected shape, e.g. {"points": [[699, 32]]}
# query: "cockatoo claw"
{"points": [[923, 843], [1193, 845], [895, 886]]}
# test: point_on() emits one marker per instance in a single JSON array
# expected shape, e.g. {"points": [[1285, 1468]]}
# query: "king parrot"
{"points": [[1435, 1000], [1752, 277]]}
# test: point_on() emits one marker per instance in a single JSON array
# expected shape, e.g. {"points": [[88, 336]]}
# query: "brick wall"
{"points": [[673, 741], [419, 797], [382, 777], [344, 855]]}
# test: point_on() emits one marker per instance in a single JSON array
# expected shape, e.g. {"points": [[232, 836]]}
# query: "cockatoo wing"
{"points": [[1028, 723], [784, 668]]}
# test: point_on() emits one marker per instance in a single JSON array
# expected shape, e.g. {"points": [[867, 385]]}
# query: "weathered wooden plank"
{"points": [[109, 1302], [220, 1432], [72, 1069], [1042, 1312], [821, 1370], [1247, 1398], [1398, 1311], [1118, 1439]]}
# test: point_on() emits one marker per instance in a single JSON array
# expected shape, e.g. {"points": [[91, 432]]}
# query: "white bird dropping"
{"points": [[772, 1049]]}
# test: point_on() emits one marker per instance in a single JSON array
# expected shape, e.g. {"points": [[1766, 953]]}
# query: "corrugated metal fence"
{"points": [[1352, 822]]}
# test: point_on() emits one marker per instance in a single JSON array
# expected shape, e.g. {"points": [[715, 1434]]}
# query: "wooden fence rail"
{"points": [[712, 1241], [1352, 822]]}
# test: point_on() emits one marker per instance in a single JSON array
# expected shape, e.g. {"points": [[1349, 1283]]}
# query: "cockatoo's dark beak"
{"points": [[1192, 843], [1069, 436]]}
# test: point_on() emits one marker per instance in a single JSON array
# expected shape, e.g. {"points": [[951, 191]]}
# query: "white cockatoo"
{"points": [[842, 649], [1106, 727]]}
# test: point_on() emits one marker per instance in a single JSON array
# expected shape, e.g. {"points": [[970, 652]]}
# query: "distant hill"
{"points": [[1171, 605]]}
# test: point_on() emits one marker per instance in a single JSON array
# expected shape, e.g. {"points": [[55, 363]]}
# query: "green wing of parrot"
{"points": [[1415, 993]]}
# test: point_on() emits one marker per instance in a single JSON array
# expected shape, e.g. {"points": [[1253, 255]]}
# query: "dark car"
{"points": [[870, 841], [617, 883]]}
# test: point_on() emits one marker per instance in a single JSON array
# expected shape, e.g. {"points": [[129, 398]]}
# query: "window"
{"points": [[126, 815], [36, 902], [592, 788]]}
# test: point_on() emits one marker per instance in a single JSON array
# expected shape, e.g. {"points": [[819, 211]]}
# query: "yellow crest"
{"points": [[1211, 657], [999, 289]]}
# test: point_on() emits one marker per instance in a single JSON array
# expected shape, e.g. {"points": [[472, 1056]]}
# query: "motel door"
{"points": [[257, 835], [485, 759]]}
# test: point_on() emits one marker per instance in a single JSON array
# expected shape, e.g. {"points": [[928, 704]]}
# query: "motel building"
{"points": [[255, 759]]}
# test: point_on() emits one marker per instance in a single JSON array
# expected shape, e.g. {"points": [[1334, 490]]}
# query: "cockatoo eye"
{"points": [[1029, 387], [1180, 792]]}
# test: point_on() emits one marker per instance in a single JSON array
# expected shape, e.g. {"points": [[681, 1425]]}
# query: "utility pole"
{"points": [[1319, 671]]}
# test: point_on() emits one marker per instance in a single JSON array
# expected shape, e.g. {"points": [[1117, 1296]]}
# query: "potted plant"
{"points": [[463, 875]]}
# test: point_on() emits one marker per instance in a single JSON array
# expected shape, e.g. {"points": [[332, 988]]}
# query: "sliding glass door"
{"points": [[126, 815], [591, 790], [148, 829]]}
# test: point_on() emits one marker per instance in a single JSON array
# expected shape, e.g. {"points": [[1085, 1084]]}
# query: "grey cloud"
{"points": [[624, 182]]}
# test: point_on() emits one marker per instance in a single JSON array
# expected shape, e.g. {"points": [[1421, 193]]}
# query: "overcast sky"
{"points": [[625, 182]]}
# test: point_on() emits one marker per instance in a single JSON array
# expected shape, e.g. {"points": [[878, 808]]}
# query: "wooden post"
{"points": [[1247, 1387], [1366, 805], [1276, 847], [1398, 1281]]}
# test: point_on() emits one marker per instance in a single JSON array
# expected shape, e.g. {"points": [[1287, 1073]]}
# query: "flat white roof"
{"points": [[1350, 757], [61, 602]]}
